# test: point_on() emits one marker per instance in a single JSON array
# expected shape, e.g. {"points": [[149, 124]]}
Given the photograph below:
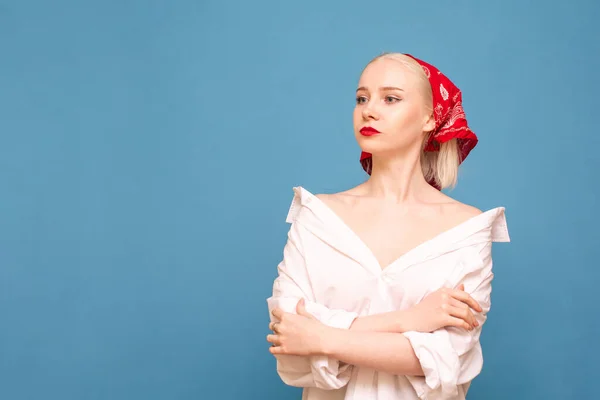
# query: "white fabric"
{"points": [[327, 264]]}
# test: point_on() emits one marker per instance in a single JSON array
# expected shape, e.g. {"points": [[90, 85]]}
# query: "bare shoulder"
{"points": [[335, 199], [453, 210], [460, 212], [467, 210], [340, 200]]}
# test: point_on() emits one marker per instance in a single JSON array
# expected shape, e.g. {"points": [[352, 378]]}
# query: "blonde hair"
{"points": [[439, 167]]}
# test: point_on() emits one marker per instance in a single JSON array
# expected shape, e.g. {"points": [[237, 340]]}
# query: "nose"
{"points": [[369, 113]]}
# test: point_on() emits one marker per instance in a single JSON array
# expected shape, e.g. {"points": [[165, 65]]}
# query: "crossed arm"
{"points": [[372, 341], [317, 347]]}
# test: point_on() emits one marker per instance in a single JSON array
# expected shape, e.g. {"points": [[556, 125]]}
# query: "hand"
{"points": [[298, 334], [442, 308]]}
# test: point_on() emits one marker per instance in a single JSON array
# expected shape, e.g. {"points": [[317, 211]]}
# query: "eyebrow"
{"points": [[383, 88]]}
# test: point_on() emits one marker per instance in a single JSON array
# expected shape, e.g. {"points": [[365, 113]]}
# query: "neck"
{"points": [[398, 180]]}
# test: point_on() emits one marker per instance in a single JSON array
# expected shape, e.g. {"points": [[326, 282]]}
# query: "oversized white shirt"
{"points": [[329, 266]]}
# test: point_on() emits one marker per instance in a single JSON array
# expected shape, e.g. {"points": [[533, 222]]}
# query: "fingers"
{"points": [[277, 313], [462, 311], [276, 345], [274, 340], [274, 327], [301, 308], [458, 322], [463, 296]]}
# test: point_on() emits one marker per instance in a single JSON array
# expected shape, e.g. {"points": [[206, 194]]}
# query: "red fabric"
{"points": [[450, 120]]}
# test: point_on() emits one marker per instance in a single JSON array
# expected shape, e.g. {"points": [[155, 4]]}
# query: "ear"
{"points": [[429, 123]]}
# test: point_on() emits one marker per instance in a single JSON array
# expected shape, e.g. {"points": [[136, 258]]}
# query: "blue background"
{"points": [[147, 155]]}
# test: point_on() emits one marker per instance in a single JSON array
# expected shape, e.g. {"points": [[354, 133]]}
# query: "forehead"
{"points": [[386, 72]]}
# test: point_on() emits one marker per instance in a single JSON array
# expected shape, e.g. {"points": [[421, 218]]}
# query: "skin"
{"points": [[394, 206]]}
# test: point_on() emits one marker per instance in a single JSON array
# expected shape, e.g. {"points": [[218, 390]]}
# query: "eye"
{"points": [[361, 99], [391, 99]]}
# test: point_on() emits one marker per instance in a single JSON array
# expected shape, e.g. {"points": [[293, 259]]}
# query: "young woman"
{"points": [[383, 289]]}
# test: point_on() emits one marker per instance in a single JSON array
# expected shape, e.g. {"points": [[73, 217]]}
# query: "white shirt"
{"points": [[329, 266]]}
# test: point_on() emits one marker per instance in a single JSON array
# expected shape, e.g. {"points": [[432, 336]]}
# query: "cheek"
{"points": [[405, 120]]}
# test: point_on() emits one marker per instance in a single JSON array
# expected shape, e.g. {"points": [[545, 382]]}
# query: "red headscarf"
{"points": [[450, 120]]}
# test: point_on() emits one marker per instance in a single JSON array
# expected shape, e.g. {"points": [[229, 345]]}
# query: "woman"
{"points": [[383, 289]]}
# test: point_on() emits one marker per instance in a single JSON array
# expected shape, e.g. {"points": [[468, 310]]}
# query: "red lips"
{"points": [[369, 131]]}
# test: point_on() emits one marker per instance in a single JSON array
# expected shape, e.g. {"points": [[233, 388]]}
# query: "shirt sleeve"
{"points": [[289, 287], [452, 357]]}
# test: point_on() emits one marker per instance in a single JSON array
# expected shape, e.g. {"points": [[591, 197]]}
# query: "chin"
{"points": [[369, 141], [371, 144]]}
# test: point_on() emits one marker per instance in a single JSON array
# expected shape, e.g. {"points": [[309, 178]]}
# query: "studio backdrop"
{"points": [[148, 151]]}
